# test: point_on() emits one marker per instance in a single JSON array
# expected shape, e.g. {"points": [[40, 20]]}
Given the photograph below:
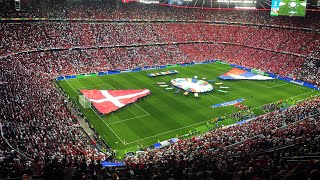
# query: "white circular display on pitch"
{"points": [[192, 85], [293, 4]]}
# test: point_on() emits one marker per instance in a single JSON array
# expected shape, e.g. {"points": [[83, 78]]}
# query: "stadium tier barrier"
{"points": [[290, 80], [33, 50], [155, 20]]}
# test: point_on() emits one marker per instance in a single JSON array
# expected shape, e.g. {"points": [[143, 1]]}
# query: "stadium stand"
{"points": [[40, 137], [250, 41]]}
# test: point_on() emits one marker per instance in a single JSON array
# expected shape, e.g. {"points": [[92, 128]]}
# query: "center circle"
{"points": [[192, 85], [293, 4]]}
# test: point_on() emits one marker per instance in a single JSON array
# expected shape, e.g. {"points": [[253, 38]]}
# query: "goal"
{"points": [[84, 101]]}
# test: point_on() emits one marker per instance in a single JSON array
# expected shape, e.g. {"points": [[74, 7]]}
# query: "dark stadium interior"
{"points": [[42, 136]]}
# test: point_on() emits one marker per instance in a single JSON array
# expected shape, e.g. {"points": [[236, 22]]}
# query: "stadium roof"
{"points": [[230, 4]]}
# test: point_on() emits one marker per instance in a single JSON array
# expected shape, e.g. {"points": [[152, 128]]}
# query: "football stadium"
{"points": [[169, 89]]}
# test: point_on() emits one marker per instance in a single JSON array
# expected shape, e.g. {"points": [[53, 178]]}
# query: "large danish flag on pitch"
{"points": [[106, 101]]}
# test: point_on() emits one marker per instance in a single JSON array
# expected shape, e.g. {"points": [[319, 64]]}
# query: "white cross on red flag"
{"points": [[106, 101]]}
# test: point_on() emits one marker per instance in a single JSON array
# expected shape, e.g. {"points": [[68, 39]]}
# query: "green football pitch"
{"points": [[165, 114], [290, 8], [293, 8]]}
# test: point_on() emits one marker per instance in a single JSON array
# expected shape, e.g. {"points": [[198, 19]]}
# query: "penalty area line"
{"points": [[269, 87], [279, 85], [98, 85], [133, 103], [100, 117], [129, 119], [147, 114]]}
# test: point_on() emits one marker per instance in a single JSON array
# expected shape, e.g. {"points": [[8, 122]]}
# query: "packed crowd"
{"points": [[67, 62], [43, 35], [270, 107], [36, 122], [54, 140], [93, 9], [47, 140], [28, 100], [294, 125], [94, 60], [243, 45], [274, 164], [310, 70]]}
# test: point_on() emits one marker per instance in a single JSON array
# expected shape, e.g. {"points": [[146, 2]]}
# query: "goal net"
{"points": [[84, 101]]}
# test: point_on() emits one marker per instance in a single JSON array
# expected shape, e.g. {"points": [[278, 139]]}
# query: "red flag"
{"points": [[106, 101]]}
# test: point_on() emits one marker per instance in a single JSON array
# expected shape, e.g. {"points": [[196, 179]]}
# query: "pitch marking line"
{"points": [[116, 122], [217, 97], [269, 87], [133, 103], [98, 85], [147, 114], [142, 109], [99, 117], [298, 86], [279, 85], [177, 128], [168, 131], [199, 122], [284, 99], [110, 128]]}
